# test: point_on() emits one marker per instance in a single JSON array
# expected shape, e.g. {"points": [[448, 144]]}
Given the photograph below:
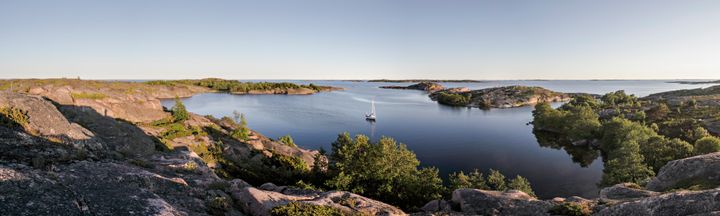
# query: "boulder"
{"points": [[625, 191], [259, 202], [437, 206], [677, 203], [702, 169], [44, 119], [482, 202]]}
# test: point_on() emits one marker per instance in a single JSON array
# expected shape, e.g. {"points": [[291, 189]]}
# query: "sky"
{"points": [[360, 39]]}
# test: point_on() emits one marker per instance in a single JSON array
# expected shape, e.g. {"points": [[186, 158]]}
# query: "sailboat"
{"points": [[371, 116]]}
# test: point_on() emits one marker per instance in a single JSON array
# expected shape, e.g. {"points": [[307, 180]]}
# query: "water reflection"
{"points": [[582, 155]]}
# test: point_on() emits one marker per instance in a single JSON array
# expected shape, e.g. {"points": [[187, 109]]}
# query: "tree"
{"points": [[707, 145], [496, 180], [287, 140], [581, 123], [459, 180], [582, 100], [384, 170], [179, 113], [477, 180], [621, 142], [658, 151], [625, 165], [522, 184]]}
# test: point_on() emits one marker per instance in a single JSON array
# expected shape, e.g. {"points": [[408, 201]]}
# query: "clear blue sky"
{"points": [[361, 39]]}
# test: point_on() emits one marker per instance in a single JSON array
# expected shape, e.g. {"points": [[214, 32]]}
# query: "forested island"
{"points": [[106, 148], [426, 80]]}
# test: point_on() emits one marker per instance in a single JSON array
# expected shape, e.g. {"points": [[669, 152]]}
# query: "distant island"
{"points": [[696, 82], [427, 80], [424, 86], [237, 87], [499, 97]]}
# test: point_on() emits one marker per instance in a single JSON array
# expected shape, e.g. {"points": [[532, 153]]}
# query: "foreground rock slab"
{"points": [[482, 202], [260, 202]]}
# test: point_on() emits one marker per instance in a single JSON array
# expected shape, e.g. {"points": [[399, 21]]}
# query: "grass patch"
{"points": [[90, 96], [303, 209]]}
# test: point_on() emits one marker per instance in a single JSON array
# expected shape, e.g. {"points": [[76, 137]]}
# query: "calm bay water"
{"points": [[449, 138]]}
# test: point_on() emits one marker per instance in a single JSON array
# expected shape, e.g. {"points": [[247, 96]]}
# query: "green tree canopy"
{"points": [[384, 170]]}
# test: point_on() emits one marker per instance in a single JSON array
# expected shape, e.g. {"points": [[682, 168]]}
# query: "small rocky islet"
{"points": [[75, 147], [488, 98]]}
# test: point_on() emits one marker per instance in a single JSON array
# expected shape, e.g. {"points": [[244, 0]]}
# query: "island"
{"points": [[424, 86], [426, 80], [499, 97], [696, 82], [237, 87]]}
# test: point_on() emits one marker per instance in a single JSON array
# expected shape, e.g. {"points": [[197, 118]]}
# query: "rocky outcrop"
{"points": [[702, 169], [624, 191], [43, 118], [424, 86], [482, 202], [259, 202], [678, 203]]}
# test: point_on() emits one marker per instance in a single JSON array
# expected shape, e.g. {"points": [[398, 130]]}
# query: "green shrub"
{"points": [[496, 180], [240, 130], [220, 205], [292, 163], [85, 95], [287, 140], [303, 209], [179, 112], [175, 130], [571, 209], [522, 184], [13, 117], [707, 145]]}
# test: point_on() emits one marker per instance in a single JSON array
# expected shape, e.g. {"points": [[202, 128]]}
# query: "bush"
{"points": [[496, 180], [453, 99], [707, 145], [303, 209], [522, 184], [179, 112], [13, 117], [571, 209], [241, 131], [287, 140]]}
